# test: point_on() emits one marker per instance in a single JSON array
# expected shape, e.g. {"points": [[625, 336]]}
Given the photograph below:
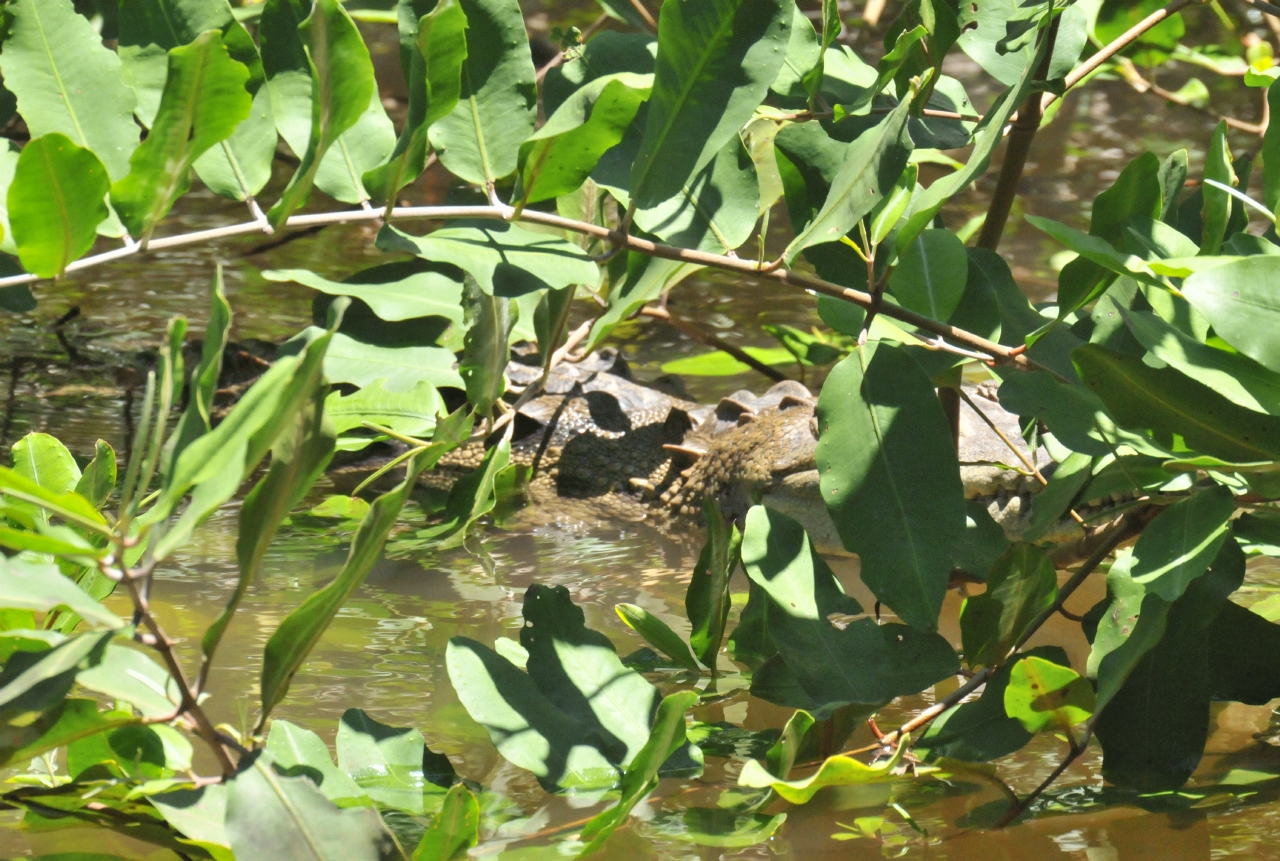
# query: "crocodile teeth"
{"points": [[687, 451]]}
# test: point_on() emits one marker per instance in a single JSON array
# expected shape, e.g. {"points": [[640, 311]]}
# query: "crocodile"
{"points": [[647, 451]]}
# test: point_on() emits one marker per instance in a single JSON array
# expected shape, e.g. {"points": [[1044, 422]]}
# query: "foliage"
{"points": [[1154, 378]]}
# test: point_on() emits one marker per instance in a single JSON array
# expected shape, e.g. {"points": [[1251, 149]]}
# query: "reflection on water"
{"points": [[385, 651]]}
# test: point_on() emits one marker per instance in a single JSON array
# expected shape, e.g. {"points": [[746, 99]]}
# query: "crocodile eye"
{"points": [[813, 427]]}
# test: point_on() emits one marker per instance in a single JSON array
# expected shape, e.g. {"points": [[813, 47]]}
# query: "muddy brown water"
{"points": [[385, 651]]}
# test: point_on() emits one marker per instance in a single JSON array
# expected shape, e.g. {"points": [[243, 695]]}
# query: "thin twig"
{"points": [[714, 340], [1029, 464], [1135, 79], [1077, 748]]}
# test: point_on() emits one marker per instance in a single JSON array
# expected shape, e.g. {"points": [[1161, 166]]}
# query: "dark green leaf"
{"points": [[204, 100], [1022, 584], [34, 682], [197, 418], [1217, 203], [56, 201], [479, 140], [931, 274], [73, 719], [68, 82], [803, 58], [983, 542], [485, 348], [890, 478], [1180, 544], [716, 60], [1168, 402], [99, 477], [707, 599], [1074, 413], [271, 817]]}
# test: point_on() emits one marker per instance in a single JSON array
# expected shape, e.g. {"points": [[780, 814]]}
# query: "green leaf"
{"points": [[1169, 403], [579, 670], [412, 413], [871, 167], [979, 730], [780, 758], [1217, 203], [56, 202], [471, 497], [505, 259], [1242, 309], [44, 460], [560, 156], [53, 541], [646, 279], [526, 728], [1044, 695], [983, 542], [299, 751], [886, 69], [204, 100], [1050, 506], [837, 770], [199, 814], [271, 817], [1074, 413], [68, 82], [721, 364], [890, 478], [479, 140], [1258, 532], [197, 417], [931, 275], [884, 218], [385, 762], [1180, 544], [42, 587], [399, 368], [293, 640], [404, 290], [834, 659], [716, 60], [454, 829], [831, 26], [25, 495], [641, 776], [434, 76], [131, 676], [485, 348], [1022, 584], [1233, 375], [298, 458], [803, 58], [214, 465], [341, 508], [716, 211], [341, 92], [1096, 250], [707, 600], [99, 477], [658, 634]]}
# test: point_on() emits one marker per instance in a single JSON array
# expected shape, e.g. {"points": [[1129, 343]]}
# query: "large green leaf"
{"points": [[293, 640], [434, 73], [485, 348], [526, 728], [707, 599], [1022, 584], [987, 28], [385, 762], [1097, 250], [560, 156], [579, 670], [42, 587], [716, 60], [67, 722], [199, 814], [202, 385], [34, 682], [641, 776], [505, 259], [1180, 544], [44, 460], [931, 275], [128, 675], [803, 56], [1233, 375], [1074, 413], [204, 100], [479, 140], [56, 201], [271, 817], [404, 290], [400, 367], [298, 458], [1168, 402], [411, 412], [99, 477], [342, 90], [890, 478], [68, 82], [834, 660], [871, 167], [301, 752], [716, 211], [1217, 203], [1243, 309]]}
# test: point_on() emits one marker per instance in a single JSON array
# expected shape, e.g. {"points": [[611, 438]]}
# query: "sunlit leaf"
{"points": [[403, 290], [454, 829], [131, 676], [42, 587], [299, 751], [385, 762], [1044, 695], [68, 82], [411, 412], [1236, 300], [56, 201], [658, 634], [837, 770]]}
